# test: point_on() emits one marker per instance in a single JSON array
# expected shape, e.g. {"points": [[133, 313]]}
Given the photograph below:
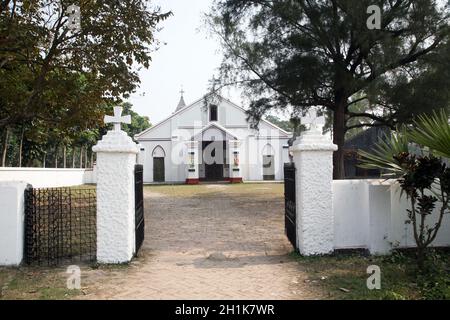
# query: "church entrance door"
{"points": [[214, 171], [158, 169]]}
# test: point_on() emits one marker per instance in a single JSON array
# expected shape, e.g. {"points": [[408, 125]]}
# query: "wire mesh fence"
{"points": [[60, 225]]}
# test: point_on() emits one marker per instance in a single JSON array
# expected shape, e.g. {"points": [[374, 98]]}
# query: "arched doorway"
{"points": [[158, 156], [268, 162]]}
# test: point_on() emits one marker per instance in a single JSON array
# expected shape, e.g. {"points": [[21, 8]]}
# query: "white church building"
{"points": [[211, 140]]}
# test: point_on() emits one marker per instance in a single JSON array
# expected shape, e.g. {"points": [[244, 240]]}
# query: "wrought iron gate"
{"points": [[289, 203], [139, 205], [60, 225]]}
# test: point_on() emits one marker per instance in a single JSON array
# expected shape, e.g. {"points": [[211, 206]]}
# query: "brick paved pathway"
{"points": [[218, 244]]}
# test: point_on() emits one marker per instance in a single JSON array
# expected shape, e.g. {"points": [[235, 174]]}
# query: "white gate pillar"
{"points": [[235, 161], [116, 158], [313, 158]]}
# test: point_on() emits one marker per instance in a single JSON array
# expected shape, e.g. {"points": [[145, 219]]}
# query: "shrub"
{"points": [[425, 179]]}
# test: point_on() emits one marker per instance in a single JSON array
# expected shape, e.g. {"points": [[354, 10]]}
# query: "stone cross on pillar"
{"points": [[118, 119], [116, 158], [313, 158], [315, 122]]}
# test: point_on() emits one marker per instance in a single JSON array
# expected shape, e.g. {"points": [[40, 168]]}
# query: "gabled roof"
{"points": [[193, 104], [216, 125], [262, 120]]}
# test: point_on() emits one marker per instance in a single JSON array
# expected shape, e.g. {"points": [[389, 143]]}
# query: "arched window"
{"points": [[158, 152], [158, 156], [268, 160]]}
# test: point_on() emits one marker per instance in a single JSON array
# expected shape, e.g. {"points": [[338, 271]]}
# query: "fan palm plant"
{"points": [[420, 175], [433, 132], [384, 152]]}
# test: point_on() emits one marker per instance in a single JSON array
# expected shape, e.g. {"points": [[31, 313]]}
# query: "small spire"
{"points": [[181, 104]]}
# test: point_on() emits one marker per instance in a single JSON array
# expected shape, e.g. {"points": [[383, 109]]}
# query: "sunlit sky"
{"points": [[189, 59]]}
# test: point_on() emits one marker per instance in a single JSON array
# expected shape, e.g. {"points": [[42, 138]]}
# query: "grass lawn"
{"points": [[45, 283], [343, 276], [34, 283]]}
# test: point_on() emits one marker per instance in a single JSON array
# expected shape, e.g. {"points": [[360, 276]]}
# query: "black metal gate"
{"points": [[139, 205], [289, 203], [60, 225]]}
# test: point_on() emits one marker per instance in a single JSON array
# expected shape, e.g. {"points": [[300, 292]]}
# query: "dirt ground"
{"points": [[216, 241], [209, 242]]}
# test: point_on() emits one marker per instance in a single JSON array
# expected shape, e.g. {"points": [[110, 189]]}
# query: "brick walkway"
{"points": [[219, 244]]}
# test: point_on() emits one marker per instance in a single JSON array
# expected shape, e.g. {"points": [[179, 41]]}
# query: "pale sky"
{"points": [[190, 58]]}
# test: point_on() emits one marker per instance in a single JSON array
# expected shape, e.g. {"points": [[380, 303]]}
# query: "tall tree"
{"points": [[49, 71], [303, 53], [283, 124]]}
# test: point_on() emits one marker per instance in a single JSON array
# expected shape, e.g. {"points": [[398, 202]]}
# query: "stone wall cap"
{"points": [[116, 142], [315, 147], [313, 140]]}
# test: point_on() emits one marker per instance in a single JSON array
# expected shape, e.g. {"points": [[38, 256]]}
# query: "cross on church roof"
{"points": [[117, 119], [181, 103]]}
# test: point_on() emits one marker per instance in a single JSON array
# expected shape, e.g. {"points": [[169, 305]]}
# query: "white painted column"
{"points": [[313, 157], [116, 158], [192, 163], [234, 157], [12, 221]]}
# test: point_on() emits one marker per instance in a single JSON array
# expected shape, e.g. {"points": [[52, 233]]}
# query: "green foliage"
{"points": [[138, 123], [384, 153], [60, 83], [399, 277], [283, 124], [434, 284], [434, 132]]}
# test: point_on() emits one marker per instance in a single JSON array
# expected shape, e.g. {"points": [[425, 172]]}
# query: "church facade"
{"points": [[211, 140]]}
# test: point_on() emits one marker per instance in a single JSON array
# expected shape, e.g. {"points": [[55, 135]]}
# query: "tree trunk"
{"points": [[421, 259], [73, 157], [86, 157], [81, 157], [21, 147], [56, 156], [92, 159], [65, 156], [339, 137], [45, 157], [5, 147]]}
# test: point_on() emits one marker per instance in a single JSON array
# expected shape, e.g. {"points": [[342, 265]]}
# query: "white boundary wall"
{"points": [[48, 177], [370, 214], [11, 222]]}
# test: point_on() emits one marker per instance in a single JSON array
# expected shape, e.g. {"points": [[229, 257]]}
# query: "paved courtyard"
{"points": [[209, 242]]}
